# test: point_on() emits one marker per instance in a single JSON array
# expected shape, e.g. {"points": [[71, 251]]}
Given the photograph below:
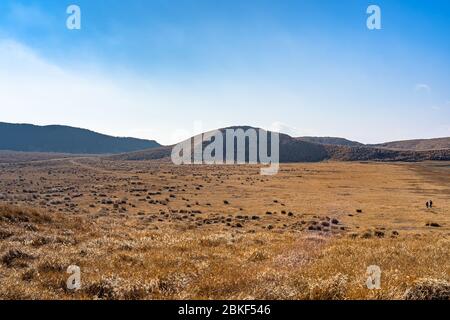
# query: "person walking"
{"points": [[431, 204], [427, 205]]}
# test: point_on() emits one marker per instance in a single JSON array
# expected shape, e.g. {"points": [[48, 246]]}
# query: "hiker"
{"points": [[431, 204], [428, 205]]}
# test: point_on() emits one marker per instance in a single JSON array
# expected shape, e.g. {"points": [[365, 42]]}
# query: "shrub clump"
{"points": [[16, 258], [429, 289], [114, 288], [334, 288]]}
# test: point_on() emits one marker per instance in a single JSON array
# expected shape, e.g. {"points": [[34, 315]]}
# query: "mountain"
{"points": [[367, 153], [291, 149], [418, 144], [64, 139], [297, 150], [70, 140], [331, 141]]}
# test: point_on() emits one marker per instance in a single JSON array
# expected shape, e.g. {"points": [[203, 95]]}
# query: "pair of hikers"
{"points": [[430, 204]]}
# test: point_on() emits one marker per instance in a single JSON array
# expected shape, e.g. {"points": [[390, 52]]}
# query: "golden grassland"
{"points": [[151, 230]]}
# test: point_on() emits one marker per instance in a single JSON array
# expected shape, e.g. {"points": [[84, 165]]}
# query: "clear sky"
{"points": [[158, 68]]}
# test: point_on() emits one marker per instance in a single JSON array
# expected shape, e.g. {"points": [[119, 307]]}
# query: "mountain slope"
{"points": [[64, 139], [418, 144], [330, 141]]}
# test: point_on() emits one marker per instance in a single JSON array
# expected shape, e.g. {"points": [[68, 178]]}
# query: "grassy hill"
{"points": [[64, 139]]}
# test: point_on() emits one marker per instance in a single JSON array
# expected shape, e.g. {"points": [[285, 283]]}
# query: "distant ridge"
{"points": [[418, 144], [65, 139], [331, 141], [367, 153]]}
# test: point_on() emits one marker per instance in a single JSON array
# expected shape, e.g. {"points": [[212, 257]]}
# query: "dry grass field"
{"points": [[151, 230]]}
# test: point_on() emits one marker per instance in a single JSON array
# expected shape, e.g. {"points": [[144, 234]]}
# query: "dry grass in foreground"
{"points": [[206, 235], [182, 265]]}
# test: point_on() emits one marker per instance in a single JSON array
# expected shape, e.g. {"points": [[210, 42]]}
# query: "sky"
{"points": [[168, 69]]}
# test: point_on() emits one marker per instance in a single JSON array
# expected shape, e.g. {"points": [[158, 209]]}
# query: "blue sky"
{"points": [[165, 69]]}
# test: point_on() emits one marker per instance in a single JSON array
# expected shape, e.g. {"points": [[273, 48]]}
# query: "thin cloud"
{"points": [[422, 87], [281, 127]]}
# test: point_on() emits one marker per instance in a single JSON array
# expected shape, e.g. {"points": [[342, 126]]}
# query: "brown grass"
{"points": [[130, 248]]}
